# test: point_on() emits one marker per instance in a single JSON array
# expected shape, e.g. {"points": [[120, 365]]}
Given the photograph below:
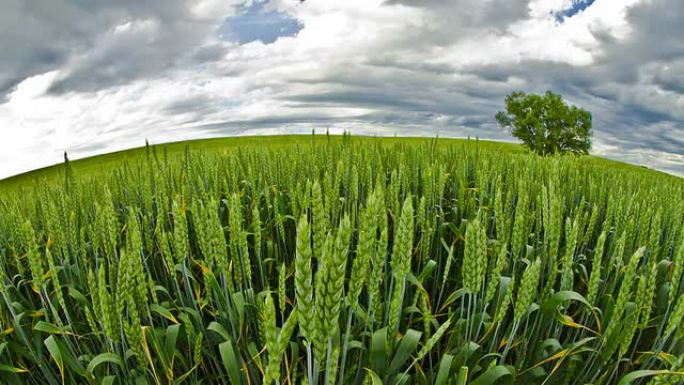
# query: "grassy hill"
{"points": [[105, 162]]}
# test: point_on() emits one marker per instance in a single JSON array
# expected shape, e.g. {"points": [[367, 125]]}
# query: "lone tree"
{"points": [[546, 124]]}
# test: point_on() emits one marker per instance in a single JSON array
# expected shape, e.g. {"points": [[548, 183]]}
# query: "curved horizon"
{"points": [[100, 77], [226, 139]]}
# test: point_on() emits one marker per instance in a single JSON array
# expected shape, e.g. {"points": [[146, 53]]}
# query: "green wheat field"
{"points": [[326, 260]]}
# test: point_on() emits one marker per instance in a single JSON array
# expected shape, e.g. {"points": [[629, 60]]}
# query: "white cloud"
{"points": [[370, 66]]}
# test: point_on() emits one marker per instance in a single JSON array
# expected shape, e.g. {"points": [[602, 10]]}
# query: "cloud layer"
{"points": [[95, 76]]}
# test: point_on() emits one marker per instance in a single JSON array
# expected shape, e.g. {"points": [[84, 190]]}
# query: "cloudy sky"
{"points": [[93, 76]]}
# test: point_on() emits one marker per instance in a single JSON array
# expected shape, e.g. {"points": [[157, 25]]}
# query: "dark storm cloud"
{"points": [[452, 14], [81, 38], [361, 97], [658, 31], [198, 103], [399, 99], [650, 56], [670, 76], [209, 53]]}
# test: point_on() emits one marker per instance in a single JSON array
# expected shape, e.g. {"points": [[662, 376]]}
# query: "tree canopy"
{"points": [[546, 124]]}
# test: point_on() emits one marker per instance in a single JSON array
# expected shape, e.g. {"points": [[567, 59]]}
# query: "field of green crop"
{"points": [[341, 260]]}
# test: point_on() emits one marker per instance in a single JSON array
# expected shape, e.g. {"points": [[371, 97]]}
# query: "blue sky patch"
{"points": [[230, 104], [253, 23], [577, 7]]}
